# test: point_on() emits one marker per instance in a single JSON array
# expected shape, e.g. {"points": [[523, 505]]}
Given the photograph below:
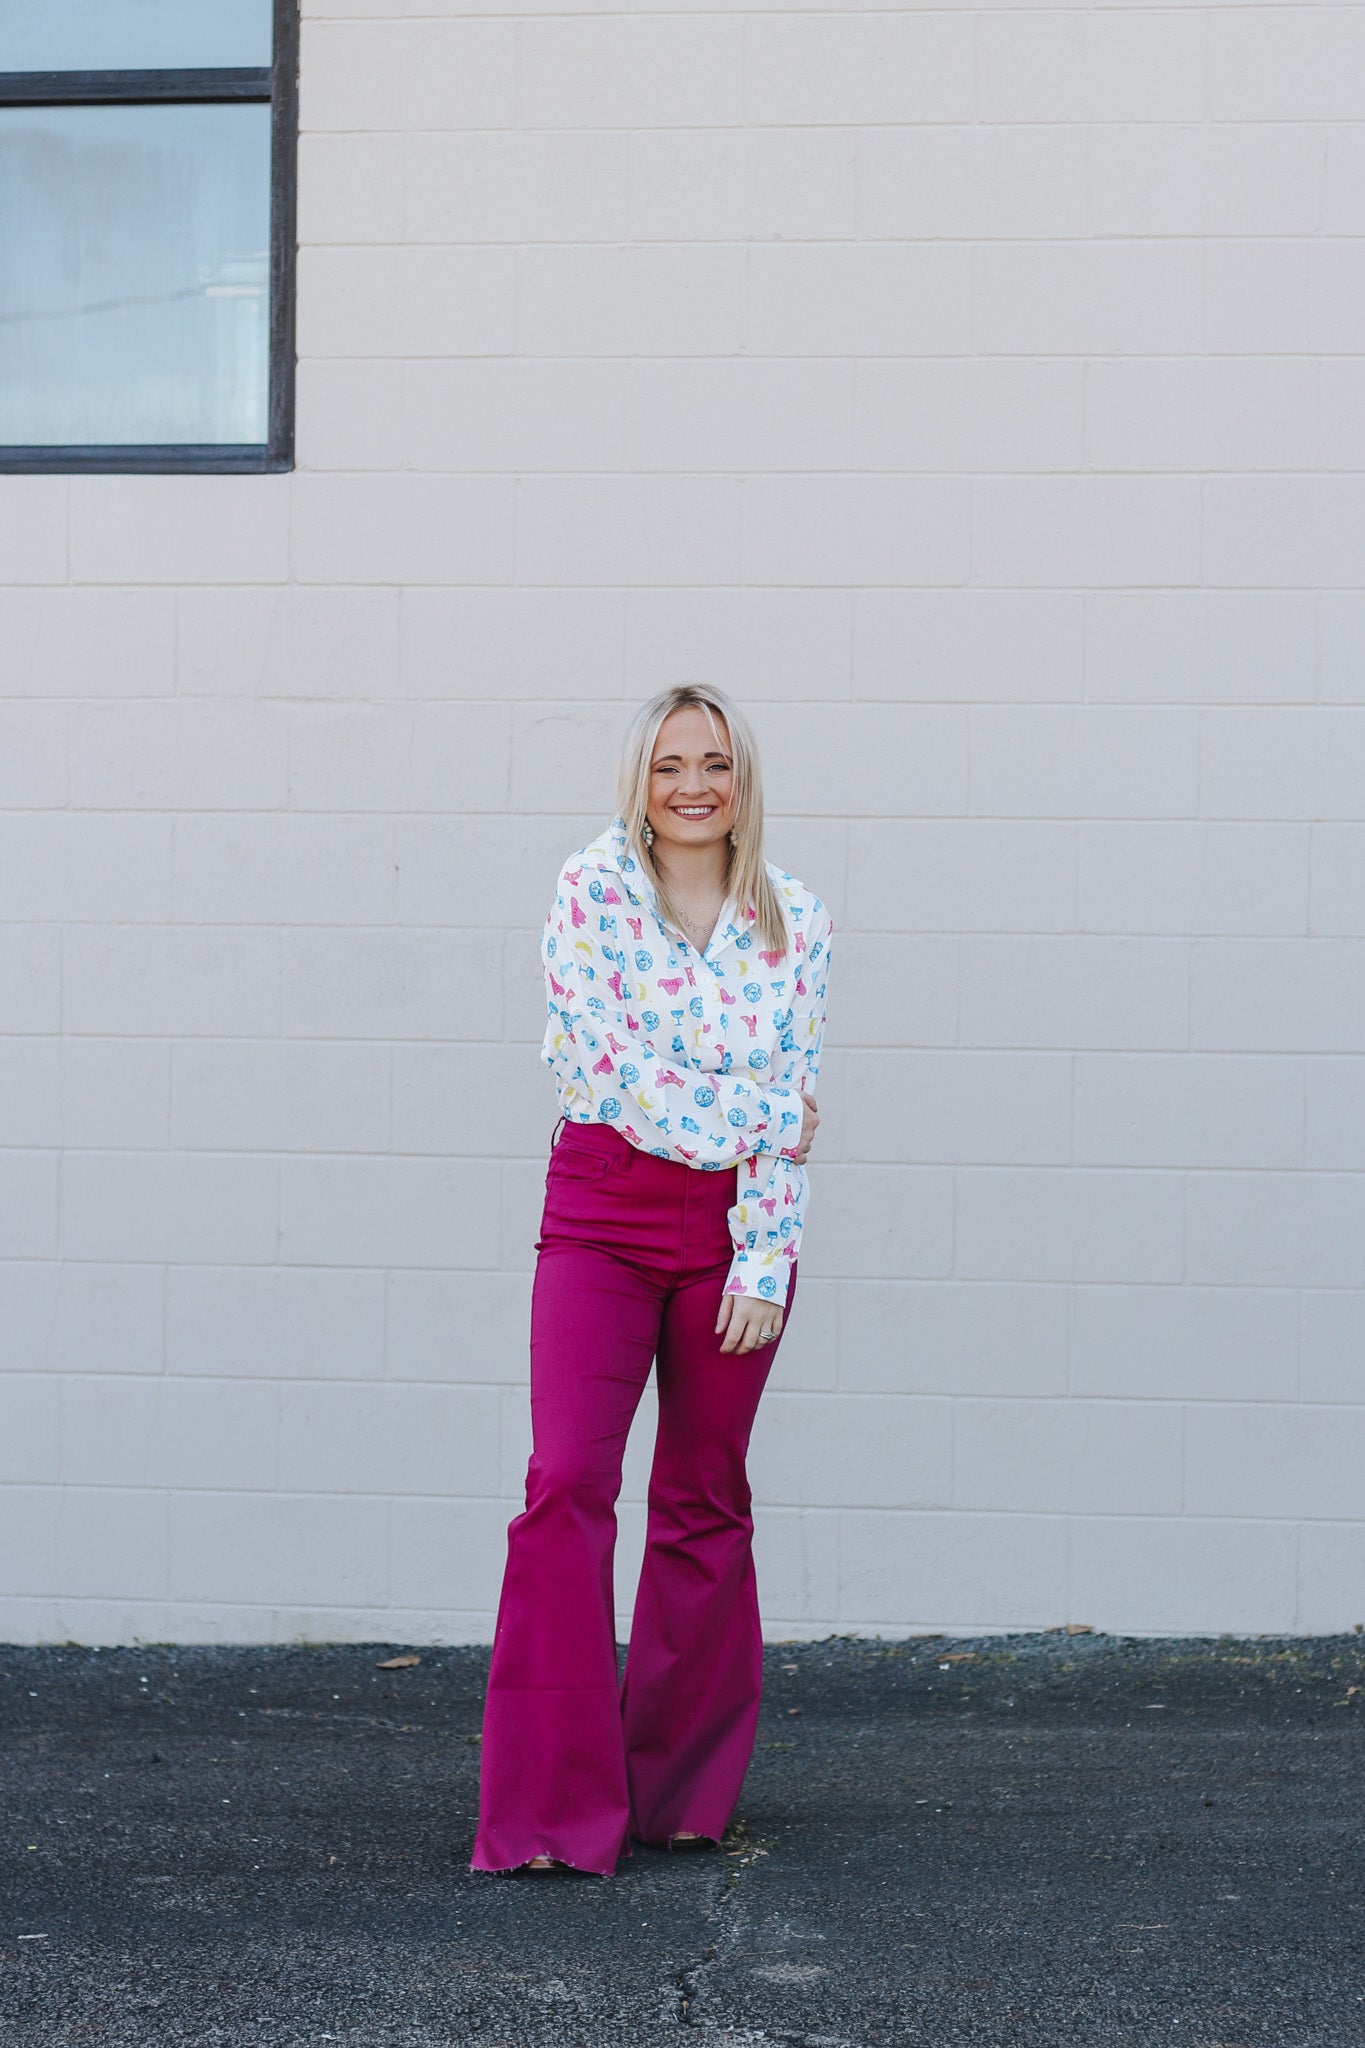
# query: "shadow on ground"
{"points": [[1015, 1840]]}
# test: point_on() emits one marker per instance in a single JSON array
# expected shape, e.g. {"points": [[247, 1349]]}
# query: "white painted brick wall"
{"points": [[980, 396]]}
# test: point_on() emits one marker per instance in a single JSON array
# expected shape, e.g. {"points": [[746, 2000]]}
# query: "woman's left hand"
{"points": [[747, 1324], [810, 1121]]}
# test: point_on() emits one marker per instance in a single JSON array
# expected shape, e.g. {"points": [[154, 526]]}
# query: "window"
{"points": [[147, 174]]}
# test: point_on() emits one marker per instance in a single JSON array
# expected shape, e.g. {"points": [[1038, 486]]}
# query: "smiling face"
{"points": [[691, 781]]}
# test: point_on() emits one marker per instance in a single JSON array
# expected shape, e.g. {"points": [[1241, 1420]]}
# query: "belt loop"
{"points": [[554, 1135]]}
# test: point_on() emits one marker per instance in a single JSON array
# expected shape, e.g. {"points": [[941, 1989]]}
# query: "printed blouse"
{"points": [[694, 1055]]}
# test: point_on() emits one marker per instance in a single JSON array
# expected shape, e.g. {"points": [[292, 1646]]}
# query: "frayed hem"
{"points": [[560, 1863], [681, 1839]]}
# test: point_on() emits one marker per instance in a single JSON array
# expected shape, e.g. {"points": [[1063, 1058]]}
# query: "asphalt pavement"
{"points": [[1033, 1841]]}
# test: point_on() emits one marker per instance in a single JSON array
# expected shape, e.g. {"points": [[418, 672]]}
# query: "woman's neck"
{"points": [[691, 871]]}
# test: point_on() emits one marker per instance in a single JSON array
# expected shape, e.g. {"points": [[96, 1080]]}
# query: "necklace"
{"points": [[698, 925]]}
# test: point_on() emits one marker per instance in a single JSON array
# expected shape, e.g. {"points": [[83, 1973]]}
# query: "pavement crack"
{"points": [[690, 1982]]}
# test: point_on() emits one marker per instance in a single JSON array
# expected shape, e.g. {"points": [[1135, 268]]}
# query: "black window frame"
{"points": [[275, 84]]}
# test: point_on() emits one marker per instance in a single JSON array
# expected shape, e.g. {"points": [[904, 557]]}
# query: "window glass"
{"points": [[134, 291], [132, 35]]}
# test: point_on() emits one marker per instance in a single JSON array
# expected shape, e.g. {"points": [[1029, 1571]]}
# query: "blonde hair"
{"points": [[746, 874]]}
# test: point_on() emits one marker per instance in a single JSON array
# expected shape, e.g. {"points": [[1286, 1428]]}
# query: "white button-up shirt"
{"points": [[696, 1056]]}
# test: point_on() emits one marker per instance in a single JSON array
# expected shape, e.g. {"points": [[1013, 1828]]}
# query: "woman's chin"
{"points": [[691, 831]]}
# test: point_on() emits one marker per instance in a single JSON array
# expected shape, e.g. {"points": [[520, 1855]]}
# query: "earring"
{"points": [[733, 840], [647, 833]]}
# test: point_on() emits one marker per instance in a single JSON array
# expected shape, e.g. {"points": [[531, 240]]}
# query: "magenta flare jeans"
{"points": [[633, 1257]]}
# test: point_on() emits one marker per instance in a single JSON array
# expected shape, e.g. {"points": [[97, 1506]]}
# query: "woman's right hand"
{"points": [[810, 1118]]}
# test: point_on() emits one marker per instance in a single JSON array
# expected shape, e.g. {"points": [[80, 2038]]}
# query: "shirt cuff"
{"points": [[760, 1280]]}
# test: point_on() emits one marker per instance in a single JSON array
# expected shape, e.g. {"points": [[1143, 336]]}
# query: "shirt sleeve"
{"points": [[770, 1201], [597, 1048]]}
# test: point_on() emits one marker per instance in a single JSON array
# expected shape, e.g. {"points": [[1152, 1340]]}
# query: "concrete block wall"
{"points": [[977, 393]]}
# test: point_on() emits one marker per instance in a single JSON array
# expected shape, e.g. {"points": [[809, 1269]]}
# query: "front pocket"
{"points": [[567, 1162]]}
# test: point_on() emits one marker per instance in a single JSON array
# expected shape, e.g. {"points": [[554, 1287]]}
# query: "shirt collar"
{"points": [[639, 885]]}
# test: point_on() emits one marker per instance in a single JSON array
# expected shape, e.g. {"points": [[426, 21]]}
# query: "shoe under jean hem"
{"points": [[632, 1259]]}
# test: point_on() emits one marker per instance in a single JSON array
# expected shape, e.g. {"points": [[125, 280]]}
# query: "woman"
{"points": [[686, 982]]}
